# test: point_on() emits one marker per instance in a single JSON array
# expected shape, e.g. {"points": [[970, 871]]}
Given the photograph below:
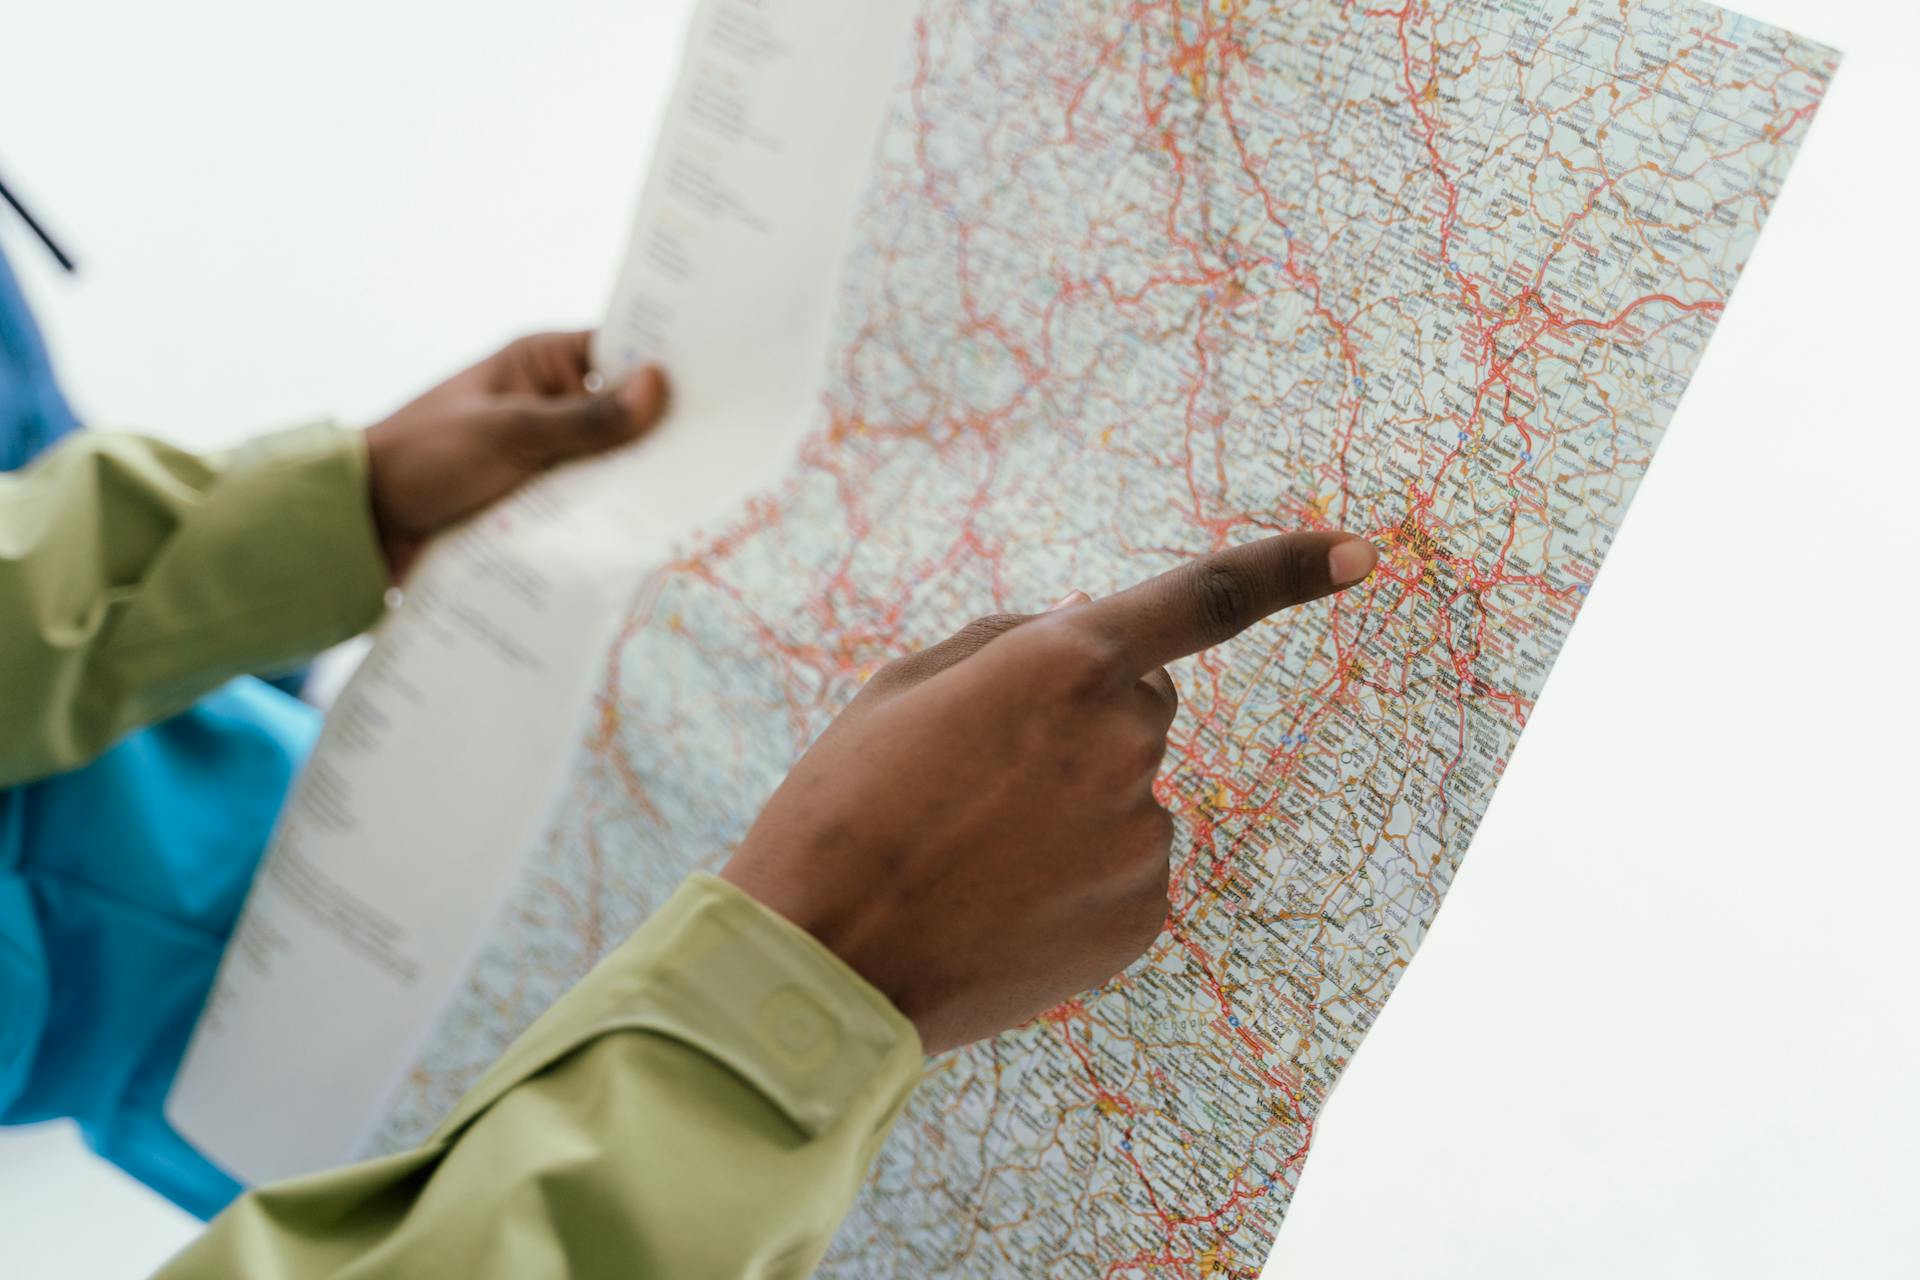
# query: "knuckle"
{"points": [[1146, 844], [1073, 660], [1160, 833], [601, 417], [525, 435], [1147, 918], [1222, 597], [1298, 571], [1144, 749]]}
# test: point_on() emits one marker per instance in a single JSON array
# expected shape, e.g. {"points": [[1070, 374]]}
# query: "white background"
{"points": [[1664, 1025]]}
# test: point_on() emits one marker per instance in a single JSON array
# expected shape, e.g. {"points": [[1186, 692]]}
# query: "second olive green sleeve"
{"points": [[704, 1105], [135, 577]]}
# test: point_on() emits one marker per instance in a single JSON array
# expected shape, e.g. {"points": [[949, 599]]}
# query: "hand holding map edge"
{"points": [[977, 834], [487, 430]]}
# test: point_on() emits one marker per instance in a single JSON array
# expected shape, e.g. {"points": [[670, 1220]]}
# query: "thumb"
{"points": [[924, 664], [548, 430]]}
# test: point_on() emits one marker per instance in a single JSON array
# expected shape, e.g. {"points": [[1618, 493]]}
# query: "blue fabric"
{"points": [[120, 882], [33, 413]]}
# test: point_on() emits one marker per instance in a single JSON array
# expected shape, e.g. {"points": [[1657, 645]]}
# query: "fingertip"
{"points": [[1351, 561], [1071, 598]]}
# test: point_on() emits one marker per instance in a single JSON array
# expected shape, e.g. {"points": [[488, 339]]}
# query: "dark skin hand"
{"points": [[977, 834], [489, 429]]}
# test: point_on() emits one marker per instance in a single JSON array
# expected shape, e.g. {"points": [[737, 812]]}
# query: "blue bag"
{"points": [[121, 881]]}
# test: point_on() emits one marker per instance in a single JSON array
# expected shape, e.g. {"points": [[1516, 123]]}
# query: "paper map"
{"points": [[1135, 281]]}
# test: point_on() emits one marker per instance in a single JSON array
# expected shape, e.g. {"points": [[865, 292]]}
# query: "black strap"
{"points": [[33, 225]]}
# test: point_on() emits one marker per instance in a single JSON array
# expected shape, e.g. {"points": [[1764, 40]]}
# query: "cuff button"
{"points": [[796, 1024]]}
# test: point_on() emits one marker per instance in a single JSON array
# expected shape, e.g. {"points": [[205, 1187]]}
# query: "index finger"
{"points": [[1215, 597]]}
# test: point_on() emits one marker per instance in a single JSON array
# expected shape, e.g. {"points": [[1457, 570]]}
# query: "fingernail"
{"points": [[1072, 597], [1350, 561]]}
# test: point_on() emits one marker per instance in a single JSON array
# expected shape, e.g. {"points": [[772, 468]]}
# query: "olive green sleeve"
{"points": [[135, 577], [704, 1105]]}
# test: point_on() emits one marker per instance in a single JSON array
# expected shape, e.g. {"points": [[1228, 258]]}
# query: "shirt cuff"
{"points": [[716, 970], [280, 561]]}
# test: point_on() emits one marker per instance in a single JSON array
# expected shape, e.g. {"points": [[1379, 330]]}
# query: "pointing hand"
{"points": [[489, 429], [977, 833]]}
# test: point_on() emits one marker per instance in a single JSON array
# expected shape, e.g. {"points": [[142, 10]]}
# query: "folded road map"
{"points": [[968, 306]]}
